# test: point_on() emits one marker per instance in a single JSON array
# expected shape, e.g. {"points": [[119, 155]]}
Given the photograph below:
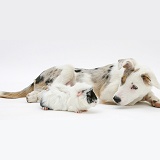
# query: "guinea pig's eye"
{"points": [[83, 91]]}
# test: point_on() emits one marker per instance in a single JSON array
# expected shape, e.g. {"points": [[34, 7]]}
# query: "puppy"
{"points": [[126, 82], [77, 98]]}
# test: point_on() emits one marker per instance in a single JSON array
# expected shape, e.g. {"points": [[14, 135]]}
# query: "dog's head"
{"points": [[136, 82], [85, 94]]}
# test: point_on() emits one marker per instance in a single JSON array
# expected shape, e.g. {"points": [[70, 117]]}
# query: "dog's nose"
{"points": [[117, 99]]}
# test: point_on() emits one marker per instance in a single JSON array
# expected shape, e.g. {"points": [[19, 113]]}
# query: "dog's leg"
{"points": [[152, 99], [67, 76], [107, 93], [34, 97]]}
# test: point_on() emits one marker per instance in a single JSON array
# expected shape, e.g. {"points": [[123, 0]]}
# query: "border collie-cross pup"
{"points": [[123, 83]]}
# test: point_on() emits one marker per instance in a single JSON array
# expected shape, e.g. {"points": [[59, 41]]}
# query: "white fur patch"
{"points": [[67, 76], [86, 78], [66, 98]]}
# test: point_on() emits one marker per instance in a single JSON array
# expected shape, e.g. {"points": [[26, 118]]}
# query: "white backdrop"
{"points": [[36, 35]]}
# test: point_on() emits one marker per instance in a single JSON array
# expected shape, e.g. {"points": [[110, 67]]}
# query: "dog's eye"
{"points": [[134, 87]]}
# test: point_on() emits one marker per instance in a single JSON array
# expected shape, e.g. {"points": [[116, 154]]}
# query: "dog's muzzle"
{"points": [[116, 99]]}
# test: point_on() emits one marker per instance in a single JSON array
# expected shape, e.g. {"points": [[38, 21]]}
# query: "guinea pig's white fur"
{"points": [[77, 98]]}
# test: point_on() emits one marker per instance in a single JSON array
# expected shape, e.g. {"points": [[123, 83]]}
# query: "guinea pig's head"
{"points": [[85, 94]]}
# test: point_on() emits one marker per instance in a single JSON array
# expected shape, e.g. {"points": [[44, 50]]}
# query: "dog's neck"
{"points": [[100, 77]]}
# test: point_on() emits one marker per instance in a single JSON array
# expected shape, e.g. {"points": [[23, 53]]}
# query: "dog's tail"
{"points": [[20, 94]]}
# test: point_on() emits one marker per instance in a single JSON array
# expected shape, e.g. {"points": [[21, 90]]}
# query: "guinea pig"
{"points": [[77, 98]]}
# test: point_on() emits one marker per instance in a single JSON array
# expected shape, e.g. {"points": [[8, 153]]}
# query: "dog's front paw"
{"points": [[156, 103]]}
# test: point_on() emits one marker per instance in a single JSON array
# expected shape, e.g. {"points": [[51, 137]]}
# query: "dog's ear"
{"points": [[127, 63], [146, 78], [150, 79]]}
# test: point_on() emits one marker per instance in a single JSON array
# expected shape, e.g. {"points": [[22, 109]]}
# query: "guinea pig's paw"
{"points": [[45, 108], [80, 111], [84, 110]]}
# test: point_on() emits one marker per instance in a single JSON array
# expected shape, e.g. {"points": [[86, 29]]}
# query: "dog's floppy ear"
{"points": [[127, 63], [150, 79], [146, 78]]}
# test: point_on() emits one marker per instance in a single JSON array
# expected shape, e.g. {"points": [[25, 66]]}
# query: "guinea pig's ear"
{"points": [[79, 93]]}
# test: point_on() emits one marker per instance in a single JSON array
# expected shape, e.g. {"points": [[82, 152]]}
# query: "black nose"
{"points": [[116, 99]]}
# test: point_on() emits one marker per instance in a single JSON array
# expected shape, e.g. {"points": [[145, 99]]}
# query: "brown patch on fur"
{"points": [[123, 79], [19, 94], [146, 79], [97, 91], [126, 74], [129, 68], [40, 86], [129, 65]]}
